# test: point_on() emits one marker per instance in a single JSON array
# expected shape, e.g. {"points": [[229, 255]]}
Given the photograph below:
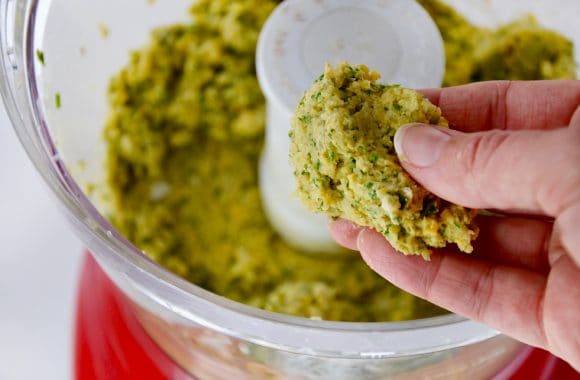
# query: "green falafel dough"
{"points": [[520, 50], [346, 165], [460, 39], [524, 50]]}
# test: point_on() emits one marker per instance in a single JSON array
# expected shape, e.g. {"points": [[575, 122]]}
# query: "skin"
{"points": [[514, 149]]}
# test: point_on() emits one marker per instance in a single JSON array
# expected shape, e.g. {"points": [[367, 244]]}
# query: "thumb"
{"points": [[534, 171]]}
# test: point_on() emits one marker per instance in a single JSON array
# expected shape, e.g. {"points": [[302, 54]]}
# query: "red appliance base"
{"points": [[111, 344]]}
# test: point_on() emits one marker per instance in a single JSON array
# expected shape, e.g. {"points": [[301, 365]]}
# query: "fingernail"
{"points": [[360, 240], [420, 144], [373, 248], [344, 232], [369, 240]]}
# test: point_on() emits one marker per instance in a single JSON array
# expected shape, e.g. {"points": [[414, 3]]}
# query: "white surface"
{"points": [[39, 265], [397, 38]]}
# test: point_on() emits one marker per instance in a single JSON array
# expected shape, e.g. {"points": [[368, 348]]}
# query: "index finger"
{"points": [[508, 104]]}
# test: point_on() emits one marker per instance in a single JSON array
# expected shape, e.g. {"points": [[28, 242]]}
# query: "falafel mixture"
{"points": [[345, 164], [520, 50]]}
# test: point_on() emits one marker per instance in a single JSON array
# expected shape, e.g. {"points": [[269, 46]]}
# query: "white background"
{"points": [[39, 266]]}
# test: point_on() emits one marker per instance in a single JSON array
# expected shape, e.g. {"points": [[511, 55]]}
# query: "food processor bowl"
{"points": [[58, 108]]}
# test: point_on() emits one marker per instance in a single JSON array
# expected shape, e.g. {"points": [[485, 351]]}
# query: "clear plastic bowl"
{"points": [[66, 147]]}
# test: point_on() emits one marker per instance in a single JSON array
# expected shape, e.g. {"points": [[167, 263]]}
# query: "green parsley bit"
{"points": [[402, 200], [430, 209], [57, 100], [40, 56]]}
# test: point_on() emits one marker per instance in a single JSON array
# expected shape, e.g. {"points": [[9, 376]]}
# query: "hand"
{"points": [[515, 147]]}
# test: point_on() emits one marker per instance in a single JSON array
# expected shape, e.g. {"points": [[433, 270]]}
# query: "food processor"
{"points": [[136, 319]]}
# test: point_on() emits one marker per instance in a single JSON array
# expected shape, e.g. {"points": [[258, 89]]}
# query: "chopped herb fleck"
{"points": [[430, 209], [57, 101], [373, 158], [305, 119], [370, 185], [40, 56], [402, 200], [352, 71], [317, 166], [398, 107]]}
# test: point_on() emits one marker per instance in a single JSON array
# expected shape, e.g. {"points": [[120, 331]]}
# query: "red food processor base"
{"points": [[111, 344]]}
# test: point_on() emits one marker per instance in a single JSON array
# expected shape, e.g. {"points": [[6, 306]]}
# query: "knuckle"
{"points": [[504, 90], [430, 277], [482, 291], [561, 187], [476, 156], [574, 138], [557, 194], [566, 239]]}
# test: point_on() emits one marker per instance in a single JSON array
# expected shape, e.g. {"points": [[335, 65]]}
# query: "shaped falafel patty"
{"points": [[346, 166]]}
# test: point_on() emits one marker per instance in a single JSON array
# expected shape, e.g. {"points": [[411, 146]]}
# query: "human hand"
{"points": [[522, 157]]}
